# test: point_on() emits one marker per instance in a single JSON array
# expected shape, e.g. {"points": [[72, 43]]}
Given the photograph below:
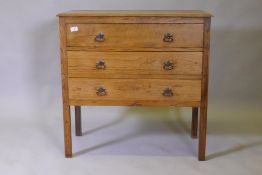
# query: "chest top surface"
{"points": [[166, 13]]}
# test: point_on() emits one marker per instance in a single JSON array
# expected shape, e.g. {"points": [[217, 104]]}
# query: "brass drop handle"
{"points": [[101, 91], [100, 37], [168, 92], [168, 65], [168, 37], [101, 64]]}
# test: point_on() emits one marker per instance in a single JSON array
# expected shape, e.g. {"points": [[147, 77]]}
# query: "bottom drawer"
{"points": [[145, 92]]}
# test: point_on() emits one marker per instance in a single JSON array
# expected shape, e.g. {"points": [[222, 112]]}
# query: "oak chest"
{"points": [[135, 58]]}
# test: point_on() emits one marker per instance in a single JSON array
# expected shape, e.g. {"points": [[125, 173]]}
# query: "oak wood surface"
{"points": [[134, 49], [187, 65], [134, 89], [64, 76], [204, 92], [134, 36], [132, 19], [194, 123], [121, 102], [129, 13], [78, 121]]}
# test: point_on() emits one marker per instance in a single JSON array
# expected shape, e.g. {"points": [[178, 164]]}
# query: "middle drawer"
{"points": [[179, 65]]}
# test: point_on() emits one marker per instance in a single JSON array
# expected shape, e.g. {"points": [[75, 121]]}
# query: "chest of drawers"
{"points": [[135, 58]]}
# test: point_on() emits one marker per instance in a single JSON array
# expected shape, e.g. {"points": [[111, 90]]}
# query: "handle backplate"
{"points": [[100, 37], [168, 65], [168, 92], [101, 91], [168, 37], [101, 64]]}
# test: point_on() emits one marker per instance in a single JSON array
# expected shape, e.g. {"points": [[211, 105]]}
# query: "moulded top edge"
{"points": [[153, 13]]}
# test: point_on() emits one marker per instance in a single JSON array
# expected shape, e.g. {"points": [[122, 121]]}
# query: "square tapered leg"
{"points": [[78, 123], [202, 134], [67, 131], [194, 124]]}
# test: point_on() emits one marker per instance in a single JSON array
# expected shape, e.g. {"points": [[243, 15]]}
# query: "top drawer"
{"points": [[135, 36]]}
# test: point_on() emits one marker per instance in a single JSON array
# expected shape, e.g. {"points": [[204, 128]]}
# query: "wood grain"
{"points": [[133, 19], [134, 90], [134, 49], [204, 92], [187, 65], [64, 75], [121, 102], [135, 36]]}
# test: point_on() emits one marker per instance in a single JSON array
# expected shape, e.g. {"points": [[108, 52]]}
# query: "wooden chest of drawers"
{"points": [[135, 58]]}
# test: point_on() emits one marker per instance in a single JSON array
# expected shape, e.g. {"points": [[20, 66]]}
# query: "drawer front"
{"points": [[132, 36], [135, 64], [134, 91]]}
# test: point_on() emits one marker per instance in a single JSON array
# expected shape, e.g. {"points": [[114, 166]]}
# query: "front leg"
{"points": [[67, 131], [202, 133]]}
